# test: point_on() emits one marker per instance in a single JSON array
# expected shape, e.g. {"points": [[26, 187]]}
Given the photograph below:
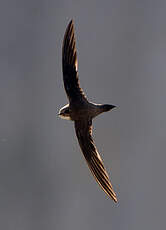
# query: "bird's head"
{"points": [[64, 112]]}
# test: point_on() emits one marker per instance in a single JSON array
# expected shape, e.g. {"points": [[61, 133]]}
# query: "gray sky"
{"points": [[44, 180]]}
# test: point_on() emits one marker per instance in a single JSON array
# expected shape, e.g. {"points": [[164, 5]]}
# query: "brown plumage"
{"points": [[81, 111]]}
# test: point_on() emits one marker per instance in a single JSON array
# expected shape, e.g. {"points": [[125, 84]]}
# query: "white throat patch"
{"points": [[65, 117]]}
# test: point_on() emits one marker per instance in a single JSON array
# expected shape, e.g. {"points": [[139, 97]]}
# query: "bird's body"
{"points": [[81, 111], [84, 110]]}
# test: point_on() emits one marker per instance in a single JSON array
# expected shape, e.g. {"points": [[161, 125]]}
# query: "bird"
{"points": [[81, 111]]}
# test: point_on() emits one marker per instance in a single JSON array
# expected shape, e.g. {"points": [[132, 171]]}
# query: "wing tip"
{"points": [[114, 198], [71, 24], [69, 54], [111, 194], [71, 21], [69, 29]]}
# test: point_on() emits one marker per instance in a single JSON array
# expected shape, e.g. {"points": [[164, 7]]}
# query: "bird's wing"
{"points": [[69, 65], [84, 134]]}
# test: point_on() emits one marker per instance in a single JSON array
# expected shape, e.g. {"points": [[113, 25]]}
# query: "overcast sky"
{"points": [[44, 180]]}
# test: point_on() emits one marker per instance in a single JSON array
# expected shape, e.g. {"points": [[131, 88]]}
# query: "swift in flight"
{"points": [[81, 111]]}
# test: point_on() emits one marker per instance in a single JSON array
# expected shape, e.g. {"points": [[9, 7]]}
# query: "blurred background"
{"points": [[44, 180]]}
